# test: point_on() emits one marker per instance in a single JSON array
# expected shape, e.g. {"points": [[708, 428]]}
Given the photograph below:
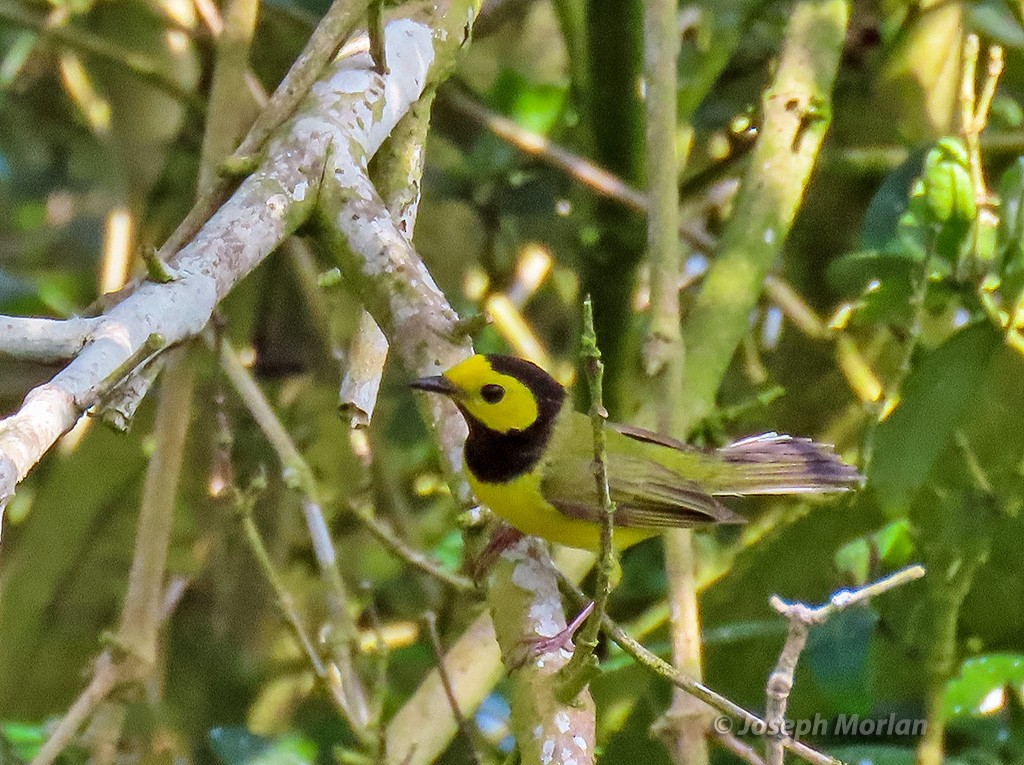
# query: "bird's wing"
{"points": [[646, 494]]}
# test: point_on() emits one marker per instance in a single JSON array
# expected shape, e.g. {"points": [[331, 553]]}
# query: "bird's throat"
{"points": [[495, 457]]}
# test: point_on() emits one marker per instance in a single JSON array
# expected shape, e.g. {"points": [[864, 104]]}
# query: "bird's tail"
{"points": [[778, 464]]}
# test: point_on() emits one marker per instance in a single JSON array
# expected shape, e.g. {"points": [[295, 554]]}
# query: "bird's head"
{"points": [[501, 393]]}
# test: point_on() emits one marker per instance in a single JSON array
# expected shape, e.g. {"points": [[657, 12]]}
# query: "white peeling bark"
{"points": [[349, 113]]}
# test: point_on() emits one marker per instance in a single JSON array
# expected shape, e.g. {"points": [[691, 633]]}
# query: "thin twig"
{"points": [[697, 689], [583, 666], [383, 533], [299, 476], [105, 678], [134, 646], [84, 41], [285, 602], [329, 35], [739, 747], [464, 726], [580, 169], [795, 308], [801, 618]]}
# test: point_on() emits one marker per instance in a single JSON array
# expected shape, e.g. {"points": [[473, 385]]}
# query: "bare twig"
{"points": [[801, 618], [737, 746], [398, 547], [298, 475], [245, 501], [697, 689], [84, 41], [134, 650], [583, 666], [330, 34], [105, 677], [683, 726], [578, 168], [464, 725]]}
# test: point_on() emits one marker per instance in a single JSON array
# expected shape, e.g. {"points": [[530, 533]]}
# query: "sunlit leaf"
{"points": [[982, 683]]}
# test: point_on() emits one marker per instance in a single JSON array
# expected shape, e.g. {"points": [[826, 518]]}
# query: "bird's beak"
{"points": [[435, 384]]}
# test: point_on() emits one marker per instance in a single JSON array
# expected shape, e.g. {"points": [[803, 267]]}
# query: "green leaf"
{"points": [[894, 543], [1011, 216], [837, 655], [889, 204], [237, 746], [979, 687], [994, 21], [854, 560], [934, 399]]}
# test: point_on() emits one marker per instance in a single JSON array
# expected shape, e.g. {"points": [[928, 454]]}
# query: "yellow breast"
{"points": [[521, 503]]}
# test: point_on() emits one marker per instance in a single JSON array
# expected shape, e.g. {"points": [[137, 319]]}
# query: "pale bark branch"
{"points": [[422, 729], [797, 112], [526, 606], [45, 340], [801, 618], [347, 115]]}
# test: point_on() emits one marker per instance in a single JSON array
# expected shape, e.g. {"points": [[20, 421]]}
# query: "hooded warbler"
{"points": [[529, 458]]}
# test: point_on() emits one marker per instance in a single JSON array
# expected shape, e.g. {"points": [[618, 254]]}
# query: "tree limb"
{"points": [[351, 109]]}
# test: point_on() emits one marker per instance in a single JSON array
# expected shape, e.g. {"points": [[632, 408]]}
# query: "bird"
{"points": [[529, 457]]}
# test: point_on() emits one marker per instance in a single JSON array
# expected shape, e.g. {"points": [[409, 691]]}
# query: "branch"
{"points": [[695, 688], [285, 601], [526, 605], [453, 702], [352, 107], [393, 543], [328, 36], [583, 666], [683, 726], [46, 340], [801, 618], [580, 169], [298, 475], [423, 728], [133, 652], [84, 41], [796, 111]]}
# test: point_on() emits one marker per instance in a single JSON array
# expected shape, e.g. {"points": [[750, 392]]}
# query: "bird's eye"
{"points": [[492, 394]]}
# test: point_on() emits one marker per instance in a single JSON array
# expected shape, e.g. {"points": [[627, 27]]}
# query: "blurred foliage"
{"points": [[891, 247]]}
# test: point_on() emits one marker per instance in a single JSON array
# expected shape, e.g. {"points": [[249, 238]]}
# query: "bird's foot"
{"points": [[563, 639], [503, 538]]}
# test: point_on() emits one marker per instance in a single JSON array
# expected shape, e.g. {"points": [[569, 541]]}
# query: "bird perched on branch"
{"points": [[530, 457]]}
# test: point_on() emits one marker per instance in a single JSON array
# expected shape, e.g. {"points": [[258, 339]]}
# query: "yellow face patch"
{"points": [[499, 402]]}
